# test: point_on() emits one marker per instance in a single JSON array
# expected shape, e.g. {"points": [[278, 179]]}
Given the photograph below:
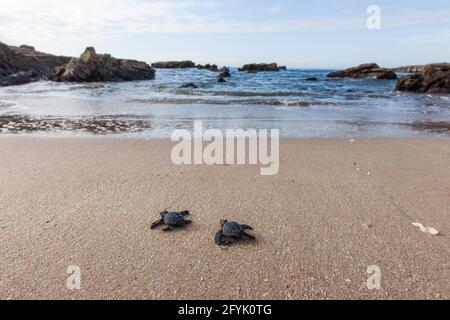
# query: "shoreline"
{"points": [[69, 136], [320, 222], [132, 136]]}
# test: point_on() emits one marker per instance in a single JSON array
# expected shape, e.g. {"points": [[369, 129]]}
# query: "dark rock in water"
{"points": [[225, 72], [93, 67], [412, 83], [210, 67], [189, 85], [174, 64], [261, 67], [435, 78], [19, 78], [221, 80], [284, 68], [312, 79], [370, 70], [19, 61]]}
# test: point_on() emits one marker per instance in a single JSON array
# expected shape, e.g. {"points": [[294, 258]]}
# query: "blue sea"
{"points": [[327, 108]]}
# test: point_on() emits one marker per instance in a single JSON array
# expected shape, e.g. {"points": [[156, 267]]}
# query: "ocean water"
{"points": [[328, 108]]}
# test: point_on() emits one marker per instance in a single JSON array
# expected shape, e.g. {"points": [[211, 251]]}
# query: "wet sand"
{"points": [[335, 208]]}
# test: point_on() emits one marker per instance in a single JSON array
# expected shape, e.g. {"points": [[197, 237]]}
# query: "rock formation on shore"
{"points": [[174, 64], [370, 70], [20, 65], [410, 69], [93, 67], [261, 67], [435, 78]]}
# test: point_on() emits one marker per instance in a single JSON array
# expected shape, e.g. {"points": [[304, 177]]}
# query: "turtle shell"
{"points": [[174, 219], [232, 229]]}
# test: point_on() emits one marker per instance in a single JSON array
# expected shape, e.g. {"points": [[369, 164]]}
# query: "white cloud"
{"points": [[53, 18], [26, 20]]}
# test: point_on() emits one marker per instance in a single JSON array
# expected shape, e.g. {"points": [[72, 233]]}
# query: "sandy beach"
{"points": [[335, 208]]}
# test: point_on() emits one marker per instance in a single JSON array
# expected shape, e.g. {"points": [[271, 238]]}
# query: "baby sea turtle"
{"points": [[172, 220], [232, 231]]}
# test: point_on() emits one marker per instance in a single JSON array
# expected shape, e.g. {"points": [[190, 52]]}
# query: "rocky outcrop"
{"points": [[10, 62], [20, 65], [370, 70], [93, 67], [39, 62], [174, 64], [261, 67], [434, 78], [210, 67], [409, 69]]}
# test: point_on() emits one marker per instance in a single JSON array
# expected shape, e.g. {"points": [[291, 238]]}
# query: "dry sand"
{"points": [[320, 222]]}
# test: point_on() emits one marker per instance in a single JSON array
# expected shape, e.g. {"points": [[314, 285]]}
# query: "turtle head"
{"points": [[164, 213], [223, 222]]}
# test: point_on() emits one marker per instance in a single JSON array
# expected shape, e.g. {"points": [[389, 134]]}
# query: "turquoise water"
{"points": [[285, 100]]}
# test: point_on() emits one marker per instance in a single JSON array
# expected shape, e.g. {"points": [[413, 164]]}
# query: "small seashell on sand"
{"points": [[424, 229]]}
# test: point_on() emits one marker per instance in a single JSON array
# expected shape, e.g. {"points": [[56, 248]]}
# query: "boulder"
{"points": [[261, 67], [370, 70], [174, 64], [312, 79], [19, 78], [93, 67], [435, 78], [221, 80]]}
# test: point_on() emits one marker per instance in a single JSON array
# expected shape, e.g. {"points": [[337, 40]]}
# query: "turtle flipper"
{"points": [[187, 221], [249, 236], [246, 227], [167, 229], [221, 240], [157, 223], [185, 213]]}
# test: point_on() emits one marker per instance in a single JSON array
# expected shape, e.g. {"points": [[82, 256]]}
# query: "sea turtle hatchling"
{"points": [[172, 220], [232, 231]]}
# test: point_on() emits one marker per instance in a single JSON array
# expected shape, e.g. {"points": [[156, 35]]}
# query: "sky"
{"points": [[296, 33]]}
